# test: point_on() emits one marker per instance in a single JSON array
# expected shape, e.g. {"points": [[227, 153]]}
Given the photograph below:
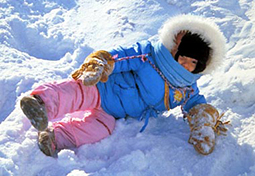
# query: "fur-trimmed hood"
{"points": [[207, 30]]}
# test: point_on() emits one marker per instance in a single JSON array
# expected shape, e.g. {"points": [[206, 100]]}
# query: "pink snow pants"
{"points": [[75, 112]]}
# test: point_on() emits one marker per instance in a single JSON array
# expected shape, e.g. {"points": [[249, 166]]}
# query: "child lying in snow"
{"points": [[140, 82]]}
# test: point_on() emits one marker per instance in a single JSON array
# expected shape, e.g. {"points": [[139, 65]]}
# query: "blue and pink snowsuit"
{"points": [[134, 89]]}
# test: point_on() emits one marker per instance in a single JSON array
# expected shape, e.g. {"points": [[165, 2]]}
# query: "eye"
{"points": [[194, 61], [180, 57]]}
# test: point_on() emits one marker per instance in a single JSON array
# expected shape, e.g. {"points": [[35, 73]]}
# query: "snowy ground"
{"points": [[45, 40]]}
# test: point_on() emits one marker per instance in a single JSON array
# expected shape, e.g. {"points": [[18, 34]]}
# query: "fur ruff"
{"points": [[207, 30]]}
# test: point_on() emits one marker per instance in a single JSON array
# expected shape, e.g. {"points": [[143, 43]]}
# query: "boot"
{"points": [[204, 121], [46, 142], [34, 109]]}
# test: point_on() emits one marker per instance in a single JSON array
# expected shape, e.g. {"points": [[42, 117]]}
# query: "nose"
{"points": [[186, 65]]}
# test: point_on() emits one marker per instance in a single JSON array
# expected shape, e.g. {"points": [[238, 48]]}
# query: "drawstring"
{"points": [[167, 83], [219, 127], [150, 112]]}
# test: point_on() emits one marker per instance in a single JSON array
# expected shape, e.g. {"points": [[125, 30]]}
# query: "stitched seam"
{"points": [[75, 138], [109, 131], [82, 96]]}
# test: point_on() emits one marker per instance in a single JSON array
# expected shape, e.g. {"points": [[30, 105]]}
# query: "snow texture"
{"points": [[46, 40]]}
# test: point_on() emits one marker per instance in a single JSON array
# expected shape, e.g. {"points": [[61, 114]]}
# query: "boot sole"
{"points": [[35, 112], [46, 143]]}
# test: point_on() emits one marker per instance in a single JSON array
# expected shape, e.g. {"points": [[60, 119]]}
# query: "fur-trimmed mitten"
{"points": [[204, 121], [96, 67]]}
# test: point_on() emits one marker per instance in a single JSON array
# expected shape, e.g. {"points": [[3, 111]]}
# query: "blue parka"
{"points": [[135, 88]]}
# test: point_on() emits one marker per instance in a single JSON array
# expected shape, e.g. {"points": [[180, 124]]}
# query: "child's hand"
{"points": [[93, 71], [204, 121], [97, 67]]}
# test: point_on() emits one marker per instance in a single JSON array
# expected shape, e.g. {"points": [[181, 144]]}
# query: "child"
{"points": [[140, 82]]}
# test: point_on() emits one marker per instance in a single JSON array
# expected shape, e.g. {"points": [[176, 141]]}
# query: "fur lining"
{"points": [[207, 30]]}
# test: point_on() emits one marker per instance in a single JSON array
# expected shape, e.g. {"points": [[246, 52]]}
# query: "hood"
{"points": [[204, 27]]}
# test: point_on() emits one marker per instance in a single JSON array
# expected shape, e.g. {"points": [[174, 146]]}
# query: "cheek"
{"points": [[180, 60], [193, 66]]}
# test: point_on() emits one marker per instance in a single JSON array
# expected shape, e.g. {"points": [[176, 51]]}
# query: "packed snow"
{"points": [[45, 40]]}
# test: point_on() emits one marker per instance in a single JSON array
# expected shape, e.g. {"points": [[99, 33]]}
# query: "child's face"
{"points": [[188, 63]]}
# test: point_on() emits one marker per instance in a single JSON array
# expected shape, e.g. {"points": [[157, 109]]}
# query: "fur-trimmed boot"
{"points": [[34, 109], [96, 67], [47, 143], [204, 121]]}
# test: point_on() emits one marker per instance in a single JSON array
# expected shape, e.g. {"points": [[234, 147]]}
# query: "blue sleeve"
{"points": [[130, 64], [195, 99]]}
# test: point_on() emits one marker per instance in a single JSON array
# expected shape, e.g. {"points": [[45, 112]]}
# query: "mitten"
{"points": [[96, 67], [204, 121]]}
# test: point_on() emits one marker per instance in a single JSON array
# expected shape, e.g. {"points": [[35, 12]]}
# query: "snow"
{"points": [[45, 40]]}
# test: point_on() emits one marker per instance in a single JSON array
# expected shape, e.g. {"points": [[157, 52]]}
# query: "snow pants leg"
{"points": [[75, 112]]}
